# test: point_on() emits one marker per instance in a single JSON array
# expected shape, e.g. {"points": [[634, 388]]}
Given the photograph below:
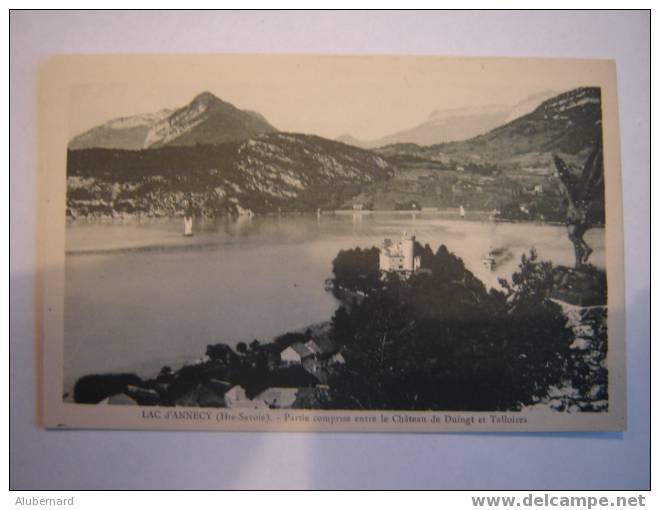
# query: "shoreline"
{"points": [[450, 214], [151, 370]]}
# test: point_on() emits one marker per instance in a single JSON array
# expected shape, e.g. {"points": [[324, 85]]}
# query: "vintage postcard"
{"points": [[330, 243]]}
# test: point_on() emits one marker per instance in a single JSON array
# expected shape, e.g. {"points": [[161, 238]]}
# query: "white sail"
{"points": [[187, 226], [462, 211]]}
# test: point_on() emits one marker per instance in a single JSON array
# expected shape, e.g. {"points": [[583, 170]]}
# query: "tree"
{"points": [[579, 193], [444, 342], [356, 269]]}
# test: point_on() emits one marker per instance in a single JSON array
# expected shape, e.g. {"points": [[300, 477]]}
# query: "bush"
{"points": [[91, 389]]}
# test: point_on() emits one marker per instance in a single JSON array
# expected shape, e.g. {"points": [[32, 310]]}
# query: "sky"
{"points": [[365, 96]]}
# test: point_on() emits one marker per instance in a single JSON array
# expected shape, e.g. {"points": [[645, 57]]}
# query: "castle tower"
{"points": [[384, 261], [408, 251]]}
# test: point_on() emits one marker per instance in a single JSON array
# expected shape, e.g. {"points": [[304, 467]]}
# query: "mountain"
{"points": [[568, 124], [509, 169], [529, 104], [351, 140], [454, 124], [122, 133], [206, 119], [267, 173], [451, 125]]}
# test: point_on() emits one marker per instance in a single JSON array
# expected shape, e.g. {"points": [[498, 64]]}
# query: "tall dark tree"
{"points": [[580, 192]]}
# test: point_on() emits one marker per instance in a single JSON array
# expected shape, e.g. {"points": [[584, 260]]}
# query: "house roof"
{"points": [[314, 347], [237, 398], [301, 349], [278, 397], [338, 358], [326, 344], [236, 393]]}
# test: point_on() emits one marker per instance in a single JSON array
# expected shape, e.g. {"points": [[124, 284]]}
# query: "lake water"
{"points": [[140, 295]]}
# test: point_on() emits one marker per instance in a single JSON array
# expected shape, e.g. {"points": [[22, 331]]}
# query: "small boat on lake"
{"points": [[187, 226], [496, 257], [461, 211]]}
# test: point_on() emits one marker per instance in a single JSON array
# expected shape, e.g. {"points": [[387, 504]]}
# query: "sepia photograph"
{"points": [[363, 243]]}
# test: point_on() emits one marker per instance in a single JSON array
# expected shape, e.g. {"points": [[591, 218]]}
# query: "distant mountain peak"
{"points": [[205, 96], [206, 119], [437, 115], [455, 124], [349, 139], [208, 100]]}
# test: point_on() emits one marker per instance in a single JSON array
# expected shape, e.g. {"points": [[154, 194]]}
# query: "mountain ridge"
{"points": [[455, 124], [267, 173], [205, 119], [568, 123], [508, 167]]}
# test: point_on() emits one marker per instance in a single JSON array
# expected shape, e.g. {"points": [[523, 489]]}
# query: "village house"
{"points": [[336, 359], [315, 356], [295, 353], [535, 190], [305, 354], [278, 398], [313, 347], [235, 398], [271, 398]]}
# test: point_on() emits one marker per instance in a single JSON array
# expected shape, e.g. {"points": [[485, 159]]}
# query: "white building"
{"points": [[399, 257], [236, 398], [278, 398], [337, 359], [297, 352]]}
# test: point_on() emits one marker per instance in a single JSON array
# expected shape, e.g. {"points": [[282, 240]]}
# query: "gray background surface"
{"points": [[42, 459]]}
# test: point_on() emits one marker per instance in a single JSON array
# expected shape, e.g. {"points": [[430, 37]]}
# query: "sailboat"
{"points": [[187, 226], [461, 211]]}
